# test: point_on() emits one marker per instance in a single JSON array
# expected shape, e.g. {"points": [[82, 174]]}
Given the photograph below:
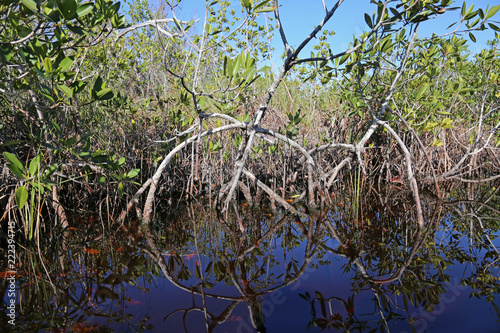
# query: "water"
{"points": [[337, 270]]}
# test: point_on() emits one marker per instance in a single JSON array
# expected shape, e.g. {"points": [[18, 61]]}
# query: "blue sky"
{"points": [[300, 16]]}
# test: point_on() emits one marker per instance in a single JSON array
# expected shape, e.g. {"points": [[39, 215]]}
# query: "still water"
{"points": [[365, 267]]}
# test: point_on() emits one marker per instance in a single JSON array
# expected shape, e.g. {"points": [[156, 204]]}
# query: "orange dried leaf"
{"points": [[6, 274]]}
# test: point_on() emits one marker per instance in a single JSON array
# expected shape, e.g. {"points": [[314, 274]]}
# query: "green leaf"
{"points": [[35, 165], [104, 94], [133, 173], [23, 30], [177, 24], [470, 16], [76, 29], [84, 9], [437, 143], [216, 32], [49, 171], [66, 90], [37, 46], [117, 21], [78, 86], [368, 20], [197, 272], [405, 300], [249, 62], [386, 45], [443, 113], [21, 196], [264, 10], [15, 170], [249, 75], [395, 13], [429, 126], [6, 53], [229, 70], [67, 8], [344, 58], [39, 186], [261, 4], [237, 64], [13, 159], [48, 182], [47, 63], [325, 79], [120, 162], [423, 16], [65, 64], [472, 37], [421, 91], [493, 10], [322, 303], [12, 143], [114, 8], [98, 84], [247, 4], [121, 189], [225, 65], [209, 267], [189, 25], [446, 123], [31, 5], [494, 27], [264, 69], [476, 21]]}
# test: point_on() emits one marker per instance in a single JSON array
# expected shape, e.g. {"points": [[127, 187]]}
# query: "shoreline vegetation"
{"points": [[99, 111]]}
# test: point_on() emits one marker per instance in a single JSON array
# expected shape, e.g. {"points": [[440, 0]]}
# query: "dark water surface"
{"points": [[362, 269]]}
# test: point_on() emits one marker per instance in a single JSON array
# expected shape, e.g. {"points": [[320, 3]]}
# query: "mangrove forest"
{"points": [[243, 166]]}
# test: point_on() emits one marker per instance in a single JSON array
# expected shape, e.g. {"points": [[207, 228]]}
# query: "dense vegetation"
{"points": [[115, 113], [109, 108]]}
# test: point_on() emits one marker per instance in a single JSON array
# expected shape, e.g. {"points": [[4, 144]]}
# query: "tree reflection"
{"points": [[244, 262], [408, 269], [399, 274], [78, 282]]}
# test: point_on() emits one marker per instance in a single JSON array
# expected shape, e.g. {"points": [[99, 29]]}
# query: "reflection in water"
{"points": [[362, 266], [243, 261]]}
